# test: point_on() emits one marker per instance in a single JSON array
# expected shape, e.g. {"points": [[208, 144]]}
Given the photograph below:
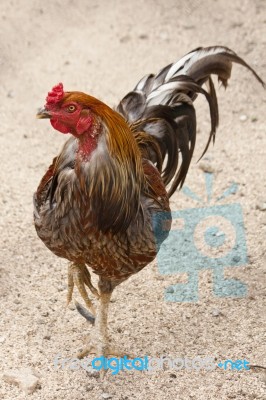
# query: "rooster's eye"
{"points": [[71, 108]]}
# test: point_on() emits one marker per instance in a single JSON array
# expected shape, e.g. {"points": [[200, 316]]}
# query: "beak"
{"points": [[43, 113]]}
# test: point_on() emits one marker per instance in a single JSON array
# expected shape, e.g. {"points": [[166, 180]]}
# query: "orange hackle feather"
{"points": [[115, 188]]}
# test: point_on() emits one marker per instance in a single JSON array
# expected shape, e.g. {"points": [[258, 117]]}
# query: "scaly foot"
{"points": [[98, 350], [105, 351]]}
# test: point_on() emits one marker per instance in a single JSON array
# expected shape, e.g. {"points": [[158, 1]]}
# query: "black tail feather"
{"points": [[162, 106]]}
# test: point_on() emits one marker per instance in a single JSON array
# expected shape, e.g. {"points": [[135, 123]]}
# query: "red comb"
{"points": [[56, 94]]}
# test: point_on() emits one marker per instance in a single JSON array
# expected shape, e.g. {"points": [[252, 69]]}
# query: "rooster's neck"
{"points": [[88, 142]]}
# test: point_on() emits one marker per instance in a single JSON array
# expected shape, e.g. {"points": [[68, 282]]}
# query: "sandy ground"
{"points": [[104, 48]]}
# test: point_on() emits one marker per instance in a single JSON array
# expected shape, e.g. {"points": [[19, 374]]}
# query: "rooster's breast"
{"points": [[69, 232]]}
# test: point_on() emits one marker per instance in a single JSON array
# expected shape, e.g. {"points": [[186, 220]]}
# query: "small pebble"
{"points": [[236, 259], [10, 94], [206, 166], [25, 378], [92, 372], [61, 287], [143, 36], [218, 234], [164, 36], [216, 312], [125, 39], [169, 290], [243, 118], [45, 314], [261, 205], [106, 396]]}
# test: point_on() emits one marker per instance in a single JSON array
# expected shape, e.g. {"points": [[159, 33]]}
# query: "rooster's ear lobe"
{"points": [[84, 122]]}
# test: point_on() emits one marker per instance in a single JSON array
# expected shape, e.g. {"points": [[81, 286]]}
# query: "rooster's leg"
{"points": [[99, 341], [101, 327], [79, 276]]}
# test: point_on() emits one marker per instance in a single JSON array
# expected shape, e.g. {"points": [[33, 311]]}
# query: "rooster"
{"points": [[101, 204]]}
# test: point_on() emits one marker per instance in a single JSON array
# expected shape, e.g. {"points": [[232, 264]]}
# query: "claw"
{"points": [[85, 313], [84, 353]]}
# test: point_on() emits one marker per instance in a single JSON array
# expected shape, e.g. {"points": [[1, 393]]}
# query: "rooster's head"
{"points": [[71, 112], [90, 120]]}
